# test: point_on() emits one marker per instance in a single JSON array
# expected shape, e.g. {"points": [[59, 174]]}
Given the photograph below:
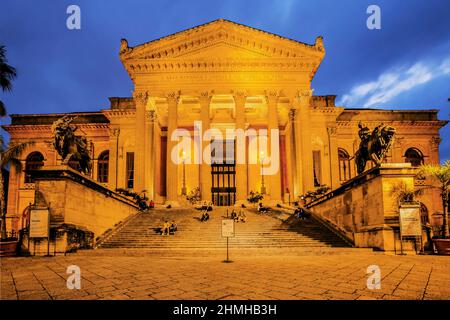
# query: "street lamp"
{"points": [[183, 188], [263, 187]]}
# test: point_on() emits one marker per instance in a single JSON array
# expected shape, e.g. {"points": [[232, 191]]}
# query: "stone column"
{"points": [[333, 157], [241, 169], [171, 168], [114, 135], [140, 100], [296, 160], [272, 124], [291, 173], [205, 168], [303, 140], [149, 184]]}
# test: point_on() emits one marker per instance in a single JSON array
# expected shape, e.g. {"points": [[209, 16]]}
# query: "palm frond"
{"points": [[7, 72], [13, 153], [2, 109], [440, 173]]}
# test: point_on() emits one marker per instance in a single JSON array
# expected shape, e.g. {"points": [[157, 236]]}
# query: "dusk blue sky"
{"points": [[405, 65]]}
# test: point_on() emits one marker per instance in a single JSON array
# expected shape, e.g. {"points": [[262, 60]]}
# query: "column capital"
{"points": [[302, 98], [272, 96], [173, 97], [150, 115], [204, 97], [240, 97], [114, 132], [435, 141], [332, 131], [141, 97]]}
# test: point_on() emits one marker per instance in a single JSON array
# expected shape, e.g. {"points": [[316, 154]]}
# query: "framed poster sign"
{"points": [[39, 223], [410, 223], [228, 228]]}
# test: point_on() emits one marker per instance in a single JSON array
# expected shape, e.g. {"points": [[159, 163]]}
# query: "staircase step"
{"points": [[260, 231]]}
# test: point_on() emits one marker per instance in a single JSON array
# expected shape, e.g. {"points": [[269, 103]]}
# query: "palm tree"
{"points": [[441, 176], [7, 74], [9, 157]]}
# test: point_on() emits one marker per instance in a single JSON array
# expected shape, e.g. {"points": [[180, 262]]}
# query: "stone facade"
{"points": [[228, 76]]}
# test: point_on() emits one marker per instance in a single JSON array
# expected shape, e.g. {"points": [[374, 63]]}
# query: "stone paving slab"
{"points": [[253, 277]]}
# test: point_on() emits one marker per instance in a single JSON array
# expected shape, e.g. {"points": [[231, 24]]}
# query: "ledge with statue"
{"points": [[80, 209], [362, 209]]}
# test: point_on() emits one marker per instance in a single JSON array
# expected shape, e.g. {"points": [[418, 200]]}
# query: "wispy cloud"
{"points": [[283, 9], [394, 82]]}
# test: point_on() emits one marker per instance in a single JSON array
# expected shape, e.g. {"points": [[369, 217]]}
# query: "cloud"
{"points": [[394, 82]]}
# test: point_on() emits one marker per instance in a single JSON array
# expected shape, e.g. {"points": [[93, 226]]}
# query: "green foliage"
{"points": [[194, 196], [438, 173], [440, 176], [404, 194], [254, 197]]}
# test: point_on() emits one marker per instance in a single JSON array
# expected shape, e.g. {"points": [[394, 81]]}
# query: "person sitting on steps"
{"points": [[205, 216], [165, 229], [262, 209], [234, 215], [173, 227], [242, 217]]}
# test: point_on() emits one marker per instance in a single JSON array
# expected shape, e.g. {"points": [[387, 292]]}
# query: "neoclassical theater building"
{"points": [[228, 76]]}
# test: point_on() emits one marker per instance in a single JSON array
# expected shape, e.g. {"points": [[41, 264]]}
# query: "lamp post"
{"points": [[263, 187], [183, 188]]}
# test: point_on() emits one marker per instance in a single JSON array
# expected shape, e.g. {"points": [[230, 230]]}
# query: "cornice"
{"points": [[222, 31], [188, 65], [408, 123]]}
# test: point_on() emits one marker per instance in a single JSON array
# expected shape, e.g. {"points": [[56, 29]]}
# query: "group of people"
{"points": [[169, 228], [262, 209], [300, 213], [143, 205], [241, 217]]}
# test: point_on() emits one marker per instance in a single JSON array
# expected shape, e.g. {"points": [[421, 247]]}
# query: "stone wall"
{"points": [[364, 210], [79, 202]]}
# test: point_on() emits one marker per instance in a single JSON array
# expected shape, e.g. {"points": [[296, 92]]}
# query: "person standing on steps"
{"points": [[242, 217]]}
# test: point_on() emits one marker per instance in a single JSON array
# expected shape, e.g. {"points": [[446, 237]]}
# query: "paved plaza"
{"points": [[253, 275]]}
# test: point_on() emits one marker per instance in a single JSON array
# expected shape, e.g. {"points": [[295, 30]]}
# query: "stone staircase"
{"points": [[260, 231]]}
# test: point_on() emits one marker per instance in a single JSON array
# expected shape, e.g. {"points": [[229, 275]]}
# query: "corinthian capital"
{"points": [[303, 98], [150, 115], [204, 97], [173, 97], [141, 98], [272, 96], [332, 131], [240, 97]]}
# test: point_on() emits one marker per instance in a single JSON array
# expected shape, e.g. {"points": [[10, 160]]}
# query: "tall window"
{"points": [[317, 167], [414, 156], [130, 170], [344, 165], [34, 161], [103, 164], [424, 214]]}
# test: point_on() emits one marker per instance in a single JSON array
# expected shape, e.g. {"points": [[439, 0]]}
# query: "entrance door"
{"points": [[223, 184]]}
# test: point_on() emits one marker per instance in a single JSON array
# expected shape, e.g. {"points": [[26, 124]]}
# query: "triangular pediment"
{"points": [[225, 39]]}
